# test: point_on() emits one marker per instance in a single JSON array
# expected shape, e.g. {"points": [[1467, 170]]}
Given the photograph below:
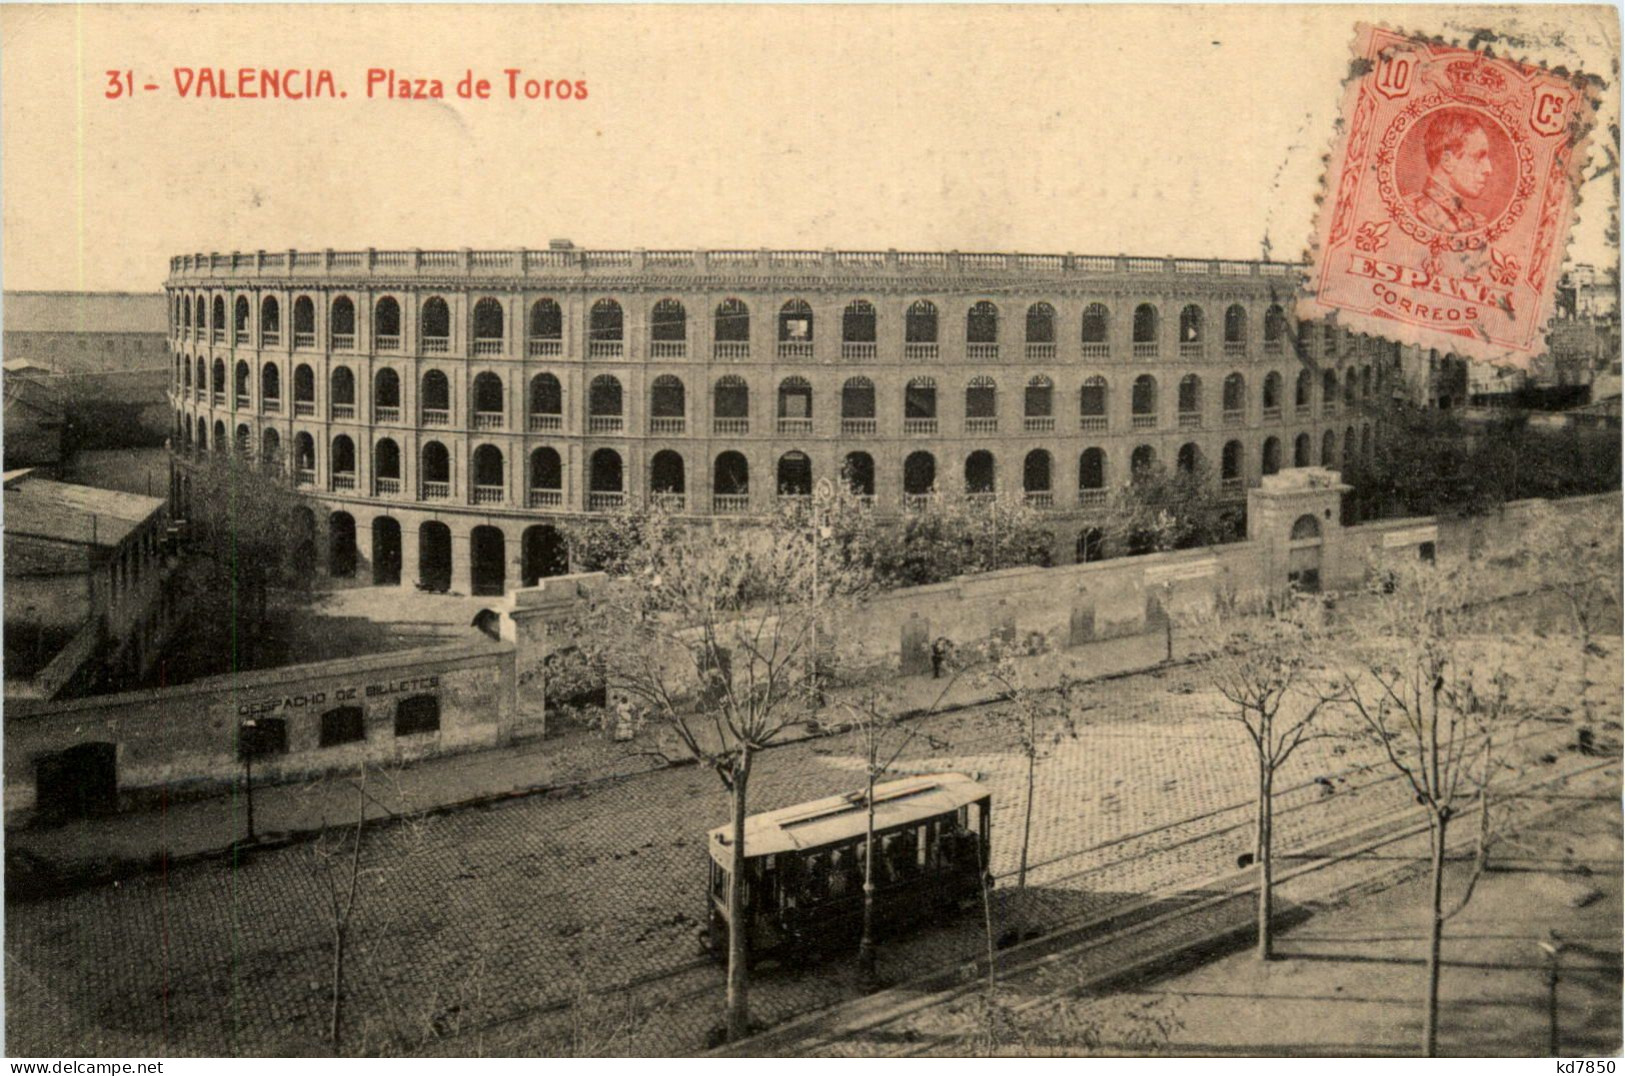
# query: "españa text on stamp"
{"points": [[1449, 197]]}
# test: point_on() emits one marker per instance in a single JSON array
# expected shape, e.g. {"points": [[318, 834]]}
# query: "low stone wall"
{"points": [[184, 739]]}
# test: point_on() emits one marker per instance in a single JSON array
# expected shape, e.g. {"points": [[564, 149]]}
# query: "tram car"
{"points": [[804, 882]]}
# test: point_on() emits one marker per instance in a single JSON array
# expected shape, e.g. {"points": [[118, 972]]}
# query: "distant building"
{"points": [[1433, 380], [82, 332], [86, 600]]}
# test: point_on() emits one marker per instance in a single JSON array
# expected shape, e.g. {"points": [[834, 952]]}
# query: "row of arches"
{"points": [[668, 397], [983, 321]]}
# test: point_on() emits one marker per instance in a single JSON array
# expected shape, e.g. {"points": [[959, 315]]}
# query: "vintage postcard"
{"points": [[818, 530]]}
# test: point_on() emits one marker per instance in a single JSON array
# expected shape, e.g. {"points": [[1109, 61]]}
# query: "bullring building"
{"points": [[448, 409]]}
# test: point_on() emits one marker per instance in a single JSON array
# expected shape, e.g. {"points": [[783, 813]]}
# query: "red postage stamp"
{"points": [[1449, 197]]}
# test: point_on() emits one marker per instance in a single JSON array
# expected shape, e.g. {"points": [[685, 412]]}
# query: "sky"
{"points": [[1194, 131]]}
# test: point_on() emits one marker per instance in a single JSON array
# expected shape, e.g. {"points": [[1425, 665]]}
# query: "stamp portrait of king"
{"points": [[1449, 197]]}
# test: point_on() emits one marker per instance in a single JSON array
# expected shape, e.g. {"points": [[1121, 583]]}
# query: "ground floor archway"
{"points": [[434, 556], [487, 553], [81, 782], [544, 554], [342, 554], [386, 552]]}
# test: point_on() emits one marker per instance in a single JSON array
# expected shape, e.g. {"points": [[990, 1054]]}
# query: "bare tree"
{"points": [[711, 631], [1260, 657], [1442, 712], [336, 858], [1039, 715]]}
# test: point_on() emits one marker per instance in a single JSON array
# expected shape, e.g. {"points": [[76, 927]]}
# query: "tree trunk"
{"points": [[336, 1030], [1026, 823], [866, 947], [1266, 867], [1430, 1027], [738, 927]]}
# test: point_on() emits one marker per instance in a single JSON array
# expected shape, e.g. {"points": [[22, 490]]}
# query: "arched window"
{"points": [[1190, 325], [858, 326], [981, 403], [386, 466], [1365, 442], [1271, 461], [219, 322], [730, 475], [859, 473], [1351, 443], [1092, 404], [1092, 469], [795, 405], [202, 377], [202, 435], [1145, 330], [386, 395], [436, 399], [1096, 320], [343, 392], [1328, 449], [417, 714], [1144, 400], [546, 328], [240, 378], [1036, 472], [1350, 387], [796, 327], [184, 308], [1142, 461], [270, 322], [487, 400], [1305, 527], [858, 403], [1276, 327], [546, 403], [304, 322], [604, 397], [488, 327], [219, 436], [386, 324], [304, 453], [304, 384], [217, 380], [920, 323], [919, 474], [920, 401], [1190, 400], [240, 312], [1041, 325], [202, 316], [667, 400], [666, 477], [436, 324], [1040, 401], [730, 398], [1328, 389], [436, 465], [1306, 388], [270, 447], [1231, 462], [795, 475], [1272, 394], [1189, 458], [980, 473], [668, 324], [1235, 329], [1301, 450], [487, 474], [270, 383], [341, 326], [546, 470], [605, 472], [982, 324], [731, 323], [344, 459], [1235, 397], [605, 328]]}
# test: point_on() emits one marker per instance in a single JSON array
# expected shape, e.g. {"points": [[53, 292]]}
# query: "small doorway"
{"points": [[386, 552]]}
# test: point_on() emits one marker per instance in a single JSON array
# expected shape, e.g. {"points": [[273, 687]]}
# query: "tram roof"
{"points": [[838, 818]]}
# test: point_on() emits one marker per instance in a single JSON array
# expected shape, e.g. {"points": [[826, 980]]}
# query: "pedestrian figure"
{"points": [[939, 656], [625, 722]]}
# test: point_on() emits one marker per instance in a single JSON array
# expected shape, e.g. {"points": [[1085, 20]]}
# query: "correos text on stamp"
{"points": [[1449, 197]]}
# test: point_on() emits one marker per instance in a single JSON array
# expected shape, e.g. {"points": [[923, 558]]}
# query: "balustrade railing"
{"points": [[982, 352], [982, 425], [1093, 423], [605, 500], [920, 425], [344, 341], [1143, 350], [304, 476], [305, 408], [387, 342], [488, 420], [1097, 352], [1235, 417], [484, 345], [344, 480], [795, 349], [271, 407], [344, 411], [542, 423], [1038, 423], [853, 349], [487, 494], [435, 345], [920, 352], [730, 349], [386, 413], [541, 348], [436, 491], [729, 504], [1040, 352], [605, 423], [603, 349], [1190, 420], [386, 487], [545, 498], [1145, 422], [668, 349], [1091, 498], [304, 339], [858, 426], [795, 425], [730, 426], [1040, 498], [667, 424], [1272, 414], [436, 416]]}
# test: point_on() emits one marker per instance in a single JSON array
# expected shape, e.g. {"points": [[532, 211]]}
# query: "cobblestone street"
{"points": [[495, 930]]}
